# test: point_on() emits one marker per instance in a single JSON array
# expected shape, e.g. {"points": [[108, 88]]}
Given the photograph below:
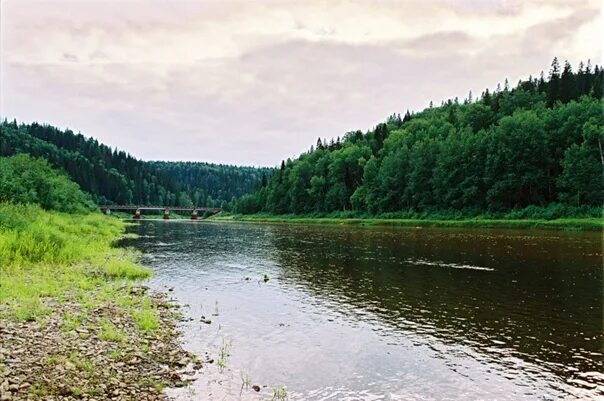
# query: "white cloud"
{"points": [[252, 82]]}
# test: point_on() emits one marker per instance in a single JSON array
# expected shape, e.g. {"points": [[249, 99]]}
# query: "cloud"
{"points": [[252, 82]]}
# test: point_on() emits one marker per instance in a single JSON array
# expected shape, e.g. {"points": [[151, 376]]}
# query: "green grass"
{"points": [[76, 391], [51, 255], [584, 223], [146, 317], [108, 332], [81, 363], [71, 321], [117, 268], [40, 389], [52, 360], [30, 309], [115, 354]]}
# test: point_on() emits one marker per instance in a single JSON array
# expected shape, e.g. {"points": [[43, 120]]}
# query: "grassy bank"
{"points": [[60, 275], [583, 223], [61, 256]]}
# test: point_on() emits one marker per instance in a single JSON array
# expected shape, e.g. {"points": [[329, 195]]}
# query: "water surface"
{"points": [[374, 313]]}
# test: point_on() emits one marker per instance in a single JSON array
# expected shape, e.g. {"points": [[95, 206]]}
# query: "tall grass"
{"points": [[554, 215], [30, 235], [50, 254], [504, 221]]}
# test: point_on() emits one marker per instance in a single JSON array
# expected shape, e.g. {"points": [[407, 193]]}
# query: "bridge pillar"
{"points": [[137, 214], [166, 214], [194, 215], [107, 211]]}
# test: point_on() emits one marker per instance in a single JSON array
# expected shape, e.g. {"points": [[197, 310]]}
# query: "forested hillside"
{"points": [[211, 183], [536, 145], [113, 176]]}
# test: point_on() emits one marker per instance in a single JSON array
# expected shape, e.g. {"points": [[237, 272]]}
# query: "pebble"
{"points": [[62, 366]]}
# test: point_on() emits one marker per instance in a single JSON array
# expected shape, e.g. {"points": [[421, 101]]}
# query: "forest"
{"points": [[113, 176], [534, 147]]}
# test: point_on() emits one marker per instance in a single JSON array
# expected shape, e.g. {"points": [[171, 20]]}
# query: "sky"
{"points": [[255, 82]]}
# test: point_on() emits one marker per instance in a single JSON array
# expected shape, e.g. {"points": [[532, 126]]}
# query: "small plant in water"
{"points": [[246, 380], [280, 393], [223, 354]]}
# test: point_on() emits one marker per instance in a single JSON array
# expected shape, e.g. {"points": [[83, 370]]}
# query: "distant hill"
{"points": [[113, 176], [539, 144]]}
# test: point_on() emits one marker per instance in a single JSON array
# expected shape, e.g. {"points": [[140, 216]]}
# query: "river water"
{"points": [[374, 313]]}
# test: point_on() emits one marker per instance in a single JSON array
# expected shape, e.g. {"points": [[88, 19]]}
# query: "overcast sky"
{"points": [[254, 82]]}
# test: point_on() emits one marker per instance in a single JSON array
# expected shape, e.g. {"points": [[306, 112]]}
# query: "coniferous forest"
{"points": [[537, 146], [115, 177]]}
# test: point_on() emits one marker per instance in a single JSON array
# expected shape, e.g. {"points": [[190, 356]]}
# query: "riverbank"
{"points": [[583, 223], [76, 321]]}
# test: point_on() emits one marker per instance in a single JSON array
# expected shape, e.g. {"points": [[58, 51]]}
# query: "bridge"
{"points": [[166, 209]]}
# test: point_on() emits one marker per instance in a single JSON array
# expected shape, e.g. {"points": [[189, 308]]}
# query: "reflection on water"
{"points": [[352, 313]]}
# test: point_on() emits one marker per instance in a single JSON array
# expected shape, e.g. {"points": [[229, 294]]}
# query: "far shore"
{"points": [[579, 224]]}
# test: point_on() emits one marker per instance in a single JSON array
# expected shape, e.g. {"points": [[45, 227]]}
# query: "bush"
{"points": [[554, 211], [25, 180]]}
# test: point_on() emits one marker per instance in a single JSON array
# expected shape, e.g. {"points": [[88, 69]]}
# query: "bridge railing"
{"points": [[166, 209]]}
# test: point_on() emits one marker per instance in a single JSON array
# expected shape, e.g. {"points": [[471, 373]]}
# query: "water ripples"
{"points": [[385, 314]]}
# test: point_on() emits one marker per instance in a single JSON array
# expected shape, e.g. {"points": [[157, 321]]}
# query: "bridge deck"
{"points": [[171, 208]]}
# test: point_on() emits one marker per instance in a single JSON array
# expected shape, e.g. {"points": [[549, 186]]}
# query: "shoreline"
{"points": [[77, 321], [574, 224]]}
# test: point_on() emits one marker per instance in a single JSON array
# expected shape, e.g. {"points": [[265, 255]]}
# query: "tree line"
{"points": [[536, 145], [113, 176]]}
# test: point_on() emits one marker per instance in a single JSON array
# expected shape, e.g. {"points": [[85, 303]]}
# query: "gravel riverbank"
{"points": [[96, 353], [75, 321]]}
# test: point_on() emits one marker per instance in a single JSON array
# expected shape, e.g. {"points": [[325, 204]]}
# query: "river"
{"points": [[377, 313]]}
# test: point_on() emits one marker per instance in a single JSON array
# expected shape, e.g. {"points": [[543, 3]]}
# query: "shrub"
{"points": [[26, 180]]}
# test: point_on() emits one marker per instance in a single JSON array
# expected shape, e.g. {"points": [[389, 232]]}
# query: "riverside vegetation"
{"points": [[501, 221], [530, 152], [75, 322]]}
